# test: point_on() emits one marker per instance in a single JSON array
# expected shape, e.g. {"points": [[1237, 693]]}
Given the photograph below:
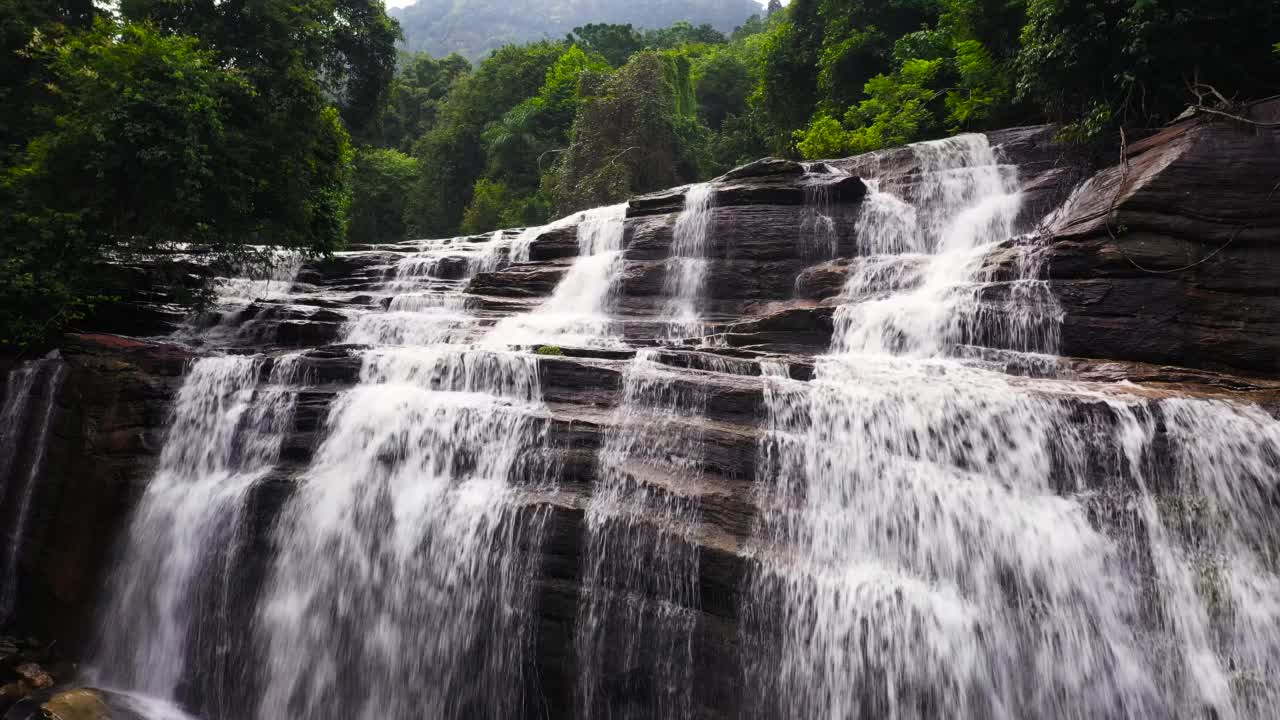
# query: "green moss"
{"points": [[551, 350]]}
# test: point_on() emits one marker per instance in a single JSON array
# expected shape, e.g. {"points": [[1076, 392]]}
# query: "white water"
{"points": [[24, 438], [183, 540], [23, 494], [424, 308], [398, 559], [577, 313], [13, 415], [272, 281], [936, 540], [687, 266], [941, 551], [401, 560], [819, 230], [637, 617]]}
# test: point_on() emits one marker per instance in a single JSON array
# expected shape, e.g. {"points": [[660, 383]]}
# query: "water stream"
{"points": [[687, 266], [172, 600], [944, 554], [26, 422], [635, 625]]}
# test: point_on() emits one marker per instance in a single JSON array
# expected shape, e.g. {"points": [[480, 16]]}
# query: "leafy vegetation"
{"points": [[228, 128], [175, 124]]}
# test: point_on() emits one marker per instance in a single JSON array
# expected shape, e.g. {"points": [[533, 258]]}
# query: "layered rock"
{"points": [[1172, 256], [1130, 310]]}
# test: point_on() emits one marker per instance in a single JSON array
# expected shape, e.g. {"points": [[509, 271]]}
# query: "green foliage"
{"points": [[723, 85], [23, 77], [490, 200], [452, 154], [1134, 60], [377, 206], [624, 140], [416, 96], [824, 138], [682, 33], [516, 143], [676, 70], [896, 111], [742, 138], [177, 124], [319, 52], [789, 86], [549, 350], [615, 43]]}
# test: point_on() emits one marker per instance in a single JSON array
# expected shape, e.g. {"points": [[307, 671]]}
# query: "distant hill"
{"points": [[474, 27]]}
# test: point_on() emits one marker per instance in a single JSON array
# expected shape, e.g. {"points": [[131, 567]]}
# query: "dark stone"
{"points": [[1175, 260]]}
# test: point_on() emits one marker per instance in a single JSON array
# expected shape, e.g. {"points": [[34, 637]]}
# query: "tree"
{"points": [[380, 182], [452, 155], [1133, 62], [682, 33], [775, 6], [341, 51], [147, 142], [517, 143], [789, 86], [723, 84], [490, 202], [615, 43], [624, 140], [23, 78], [416, 97]]}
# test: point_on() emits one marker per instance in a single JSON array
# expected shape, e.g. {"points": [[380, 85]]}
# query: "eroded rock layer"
{"points": [[630, 559]]}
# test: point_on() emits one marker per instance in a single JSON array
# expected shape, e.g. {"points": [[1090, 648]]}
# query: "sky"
{"points": [[402, 3]]}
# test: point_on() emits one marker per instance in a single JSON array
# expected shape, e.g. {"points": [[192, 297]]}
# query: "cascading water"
{"points": [[819, 231], [400, 560], [170, 599], [637, 618], [930, 535], [577, 313], [400, 587], [13, 415], [932, 538], [24, 436], [687, 266]]}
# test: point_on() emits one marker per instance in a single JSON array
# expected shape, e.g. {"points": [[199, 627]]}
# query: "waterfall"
{"points": [[636, 621], [168, 617], [424, 300], [18, 423], [930, 544], [687, 266], [577, 313], [819, 231], [399, 564], [433, 515], [404, 557]]}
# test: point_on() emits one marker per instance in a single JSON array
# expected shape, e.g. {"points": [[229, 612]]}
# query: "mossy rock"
{"points": [[550, 350], [78, 704]]}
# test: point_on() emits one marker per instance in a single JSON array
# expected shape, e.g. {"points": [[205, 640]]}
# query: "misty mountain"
{"points": [[474, 27]]}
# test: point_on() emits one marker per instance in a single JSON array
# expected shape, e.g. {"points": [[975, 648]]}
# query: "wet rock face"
{"points": [[1173, 257], [771, 292], [107, 428]]}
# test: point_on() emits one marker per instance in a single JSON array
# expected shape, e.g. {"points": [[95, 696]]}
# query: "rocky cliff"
{"points": [[1165, 270]]}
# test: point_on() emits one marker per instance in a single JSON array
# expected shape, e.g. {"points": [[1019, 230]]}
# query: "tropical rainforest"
{"points": [[225, 130]]}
